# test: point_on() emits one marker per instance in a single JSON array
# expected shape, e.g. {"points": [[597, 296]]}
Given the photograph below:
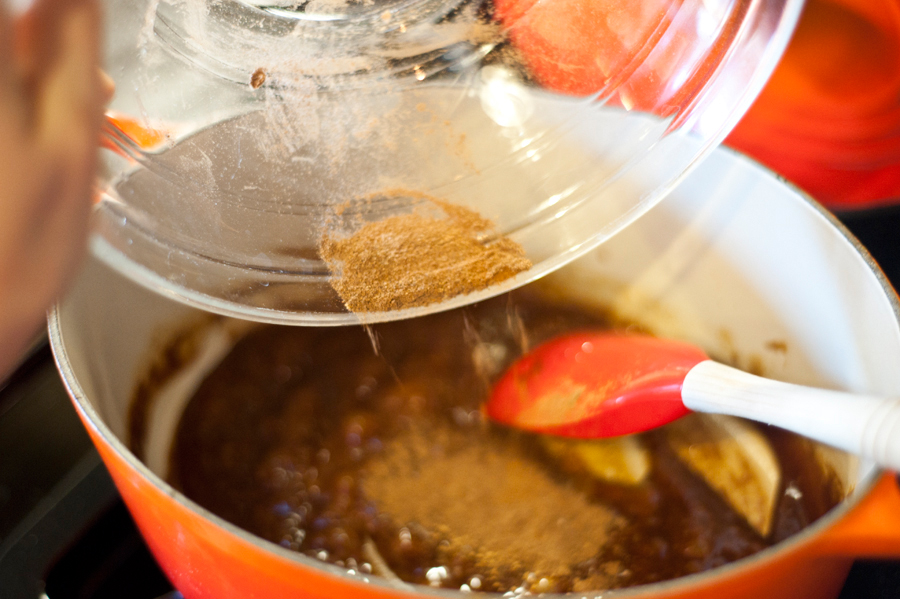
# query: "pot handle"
{"points": [[872, 528]]}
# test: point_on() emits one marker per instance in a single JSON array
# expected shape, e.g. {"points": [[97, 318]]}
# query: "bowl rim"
{"points": [[859, 492]]}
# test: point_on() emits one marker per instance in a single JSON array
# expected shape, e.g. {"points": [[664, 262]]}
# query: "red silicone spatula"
{"points": [[600, 384]]}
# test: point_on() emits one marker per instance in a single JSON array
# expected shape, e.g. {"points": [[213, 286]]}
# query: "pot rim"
{"points": [[92, 418]]}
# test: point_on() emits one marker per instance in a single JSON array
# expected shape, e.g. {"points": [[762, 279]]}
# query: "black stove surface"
{"points": [[65, 533]]}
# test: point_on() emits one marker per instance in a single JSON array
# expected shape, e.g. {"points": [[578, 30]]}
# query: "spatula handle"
{"points": [[862, 424]]}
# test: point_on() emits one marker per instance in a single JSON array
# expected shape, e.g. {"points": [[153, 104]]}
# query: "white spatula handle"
{"points": [[862, 424]]}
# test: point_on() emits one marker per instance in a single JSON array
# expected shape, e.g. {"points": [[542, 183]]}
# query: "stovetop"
{"points": [[65, 533]]}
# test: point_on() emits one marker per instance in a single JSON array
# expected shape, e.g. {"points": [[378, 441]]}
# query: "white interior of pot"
{"points": [[734, 260]]}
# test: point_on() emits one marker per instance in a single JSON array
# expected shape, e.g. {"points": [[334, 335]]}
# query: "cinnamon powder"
{"points": [[419, 258], [493, 505]]}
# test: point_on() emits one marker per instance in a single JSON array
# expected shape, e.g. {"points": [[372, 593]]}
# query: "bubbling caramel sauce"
{"points": [[382, 463]]}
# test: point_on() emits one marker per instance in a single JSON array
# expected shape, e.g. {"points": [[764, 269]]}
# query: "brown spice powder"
{"points": [[258, 78], [417, 259], [491, 504]]}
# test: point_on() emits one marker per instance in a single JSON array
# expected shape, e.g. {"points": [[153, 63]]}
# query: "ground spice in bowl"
{"points": [[436, 252]]}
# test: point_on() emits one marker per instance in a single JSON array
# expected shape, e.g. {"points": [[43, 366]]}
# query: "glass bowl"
{"points": [[242, 132]]}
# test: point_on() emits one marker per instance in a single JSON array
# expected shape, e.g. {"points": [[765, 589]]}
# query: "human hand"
{"points": [[52, 95]]}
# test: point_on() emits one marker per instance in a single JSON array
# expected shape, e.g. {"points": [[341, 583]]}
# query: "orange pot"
{"points": [[732, 260], [829, 117]]}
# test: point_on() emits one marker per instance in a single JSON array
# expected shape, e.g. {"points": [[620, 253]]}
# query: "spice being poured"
{"points": [[436, 252]]}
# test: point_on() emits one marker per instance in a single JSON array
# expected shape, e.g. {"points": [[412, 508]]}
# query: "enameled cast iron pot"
{"points": [[734, 260]]}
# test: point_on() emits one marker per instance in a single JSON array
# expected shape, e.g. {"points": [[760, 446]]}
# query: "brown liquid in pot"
{"points": [[309, 439]]}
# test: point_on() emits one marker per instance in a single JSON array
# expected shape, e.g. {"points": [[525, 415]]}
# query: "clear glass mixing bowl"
{"points": [[240, 128]]}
